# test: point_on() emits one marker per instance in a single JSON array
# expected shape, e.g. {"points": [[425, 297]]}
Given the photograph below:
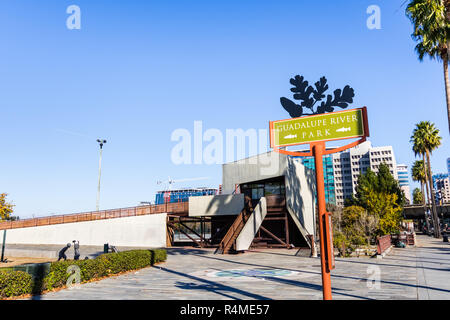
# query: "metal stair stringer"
{"points": [[299, 225], [249, 231]]}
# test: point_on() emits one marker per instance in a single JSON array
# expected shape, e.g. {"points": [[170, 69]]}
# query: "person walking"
{"points": [[76, 248], [62, 252]]}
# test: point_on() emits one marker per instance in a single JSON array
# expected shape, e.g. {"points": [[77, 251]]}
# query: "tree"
{"points": [[425, 139], [5, 208], [357, 227], [387, 184], [418, 174], [417, 196], [381, 182], [366, 183], [385, 207], [368, 224], [431, 20]]}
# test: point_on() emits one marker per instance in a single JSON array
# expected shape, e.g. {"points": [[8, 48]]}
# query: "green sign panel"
{"points": [[323, 127]]}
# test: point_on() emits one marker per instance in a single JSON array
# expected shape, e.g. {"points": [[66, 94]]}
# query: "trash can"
{"points": [[106, 248]]}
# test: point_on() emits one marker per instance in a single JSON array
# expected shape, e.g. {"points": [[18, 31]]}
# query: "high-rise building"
{"points": [[348, 165], [182, 195], [448, 166], [330, 196], [441, 185], [403, 180], [344, 168]]}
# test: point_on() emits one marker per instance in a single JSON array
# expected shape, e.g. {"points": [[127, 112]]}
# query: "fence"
{"points": [[383, 243], [180, 208], [406, 238]]}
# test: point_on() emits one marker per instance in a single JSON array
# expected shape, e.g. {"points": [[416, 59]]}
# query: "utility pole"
{"points": [[101, 143]]}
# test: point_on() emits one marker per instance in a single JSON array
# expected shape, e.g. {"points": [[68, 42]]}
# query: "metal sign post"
{"points": [[3, 246], [318, 151], [316, 130]]}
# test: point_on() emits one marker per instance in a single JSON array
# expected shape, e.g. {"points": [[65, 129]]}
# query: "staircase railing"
{"points": [[233, 232]]}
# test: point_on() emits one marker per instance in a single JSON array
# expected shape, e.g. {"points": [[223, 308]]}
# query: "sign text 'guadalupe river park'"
{"points": [[322, 127]]}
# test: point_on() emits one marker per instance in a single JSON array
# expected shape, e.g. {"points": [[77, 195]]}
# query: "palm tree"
{"points": [[425, 139], [418, 174], [417, 196], [431, 20]]}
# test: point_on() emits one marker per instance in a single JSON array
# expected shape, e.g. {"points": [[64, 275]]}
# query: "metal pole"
{"points": [[99, 177], [3, 246], [318, 150]]}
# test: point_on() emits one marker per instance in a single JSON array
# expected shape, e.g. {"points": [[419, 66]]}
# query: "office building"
{"points": [[448, 166], [344, 168], [441, 186], [348, 165], [403, 180], [182, 195], [330, 196]]}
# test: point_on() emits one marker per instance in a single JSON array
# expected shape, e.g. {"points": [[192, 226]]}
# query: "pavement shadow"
{"points": [[296, 283], [228, 291], [186, 251], [38, 280], [211, 286], [335, 275]]}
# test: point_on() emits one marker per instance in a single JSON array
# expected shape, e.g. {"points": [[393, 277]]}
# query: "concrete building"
{"points": [[448, 166], [182, 195], [330, 194], [348, 165], [441, 184], [281, 180], [266, 201], [403, 180], [341, 170]]}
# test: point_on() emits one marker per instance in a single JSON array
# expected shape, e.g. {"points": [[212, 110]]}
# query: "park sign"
{"points": [[321, 127]]}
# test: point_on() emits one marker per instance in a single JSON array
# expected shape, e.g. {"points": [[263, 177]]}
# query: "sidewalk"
{"points": [[405, 274], [433, 269]]}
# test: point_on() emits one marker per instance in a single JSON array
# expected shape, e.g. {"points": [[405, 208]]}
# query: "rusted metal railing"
{"points": [[383, 243], [179, 208]]}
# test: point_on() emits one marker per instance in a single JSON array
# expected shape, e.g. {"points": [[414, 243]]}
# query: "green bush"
{"points": [[15, 283], [104, 265]]}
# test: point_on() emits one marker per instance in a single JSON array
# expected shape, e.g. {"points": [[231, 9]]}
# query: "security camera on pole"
{"points": [[101, 143]]}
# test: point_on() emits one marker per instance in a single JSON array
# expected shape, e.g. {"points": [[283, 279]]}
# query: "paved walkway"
{"points": [[433, 269], [410, 273]]}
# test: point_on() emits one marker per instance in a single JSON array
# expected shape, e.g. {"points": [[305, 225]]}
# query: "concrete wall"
{"points": [[138, 231], [263, 166], [245, 238], [216, 205], [299, 181], [300, 194]]}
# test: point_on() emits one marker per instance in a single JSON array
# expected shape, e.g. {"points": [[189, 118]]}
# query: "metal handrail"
{"points": [[179, 207]]}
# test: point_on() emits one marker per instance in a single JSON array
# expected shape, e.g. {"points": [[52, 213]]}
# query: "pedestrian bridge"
{"points": [[417, 211]]}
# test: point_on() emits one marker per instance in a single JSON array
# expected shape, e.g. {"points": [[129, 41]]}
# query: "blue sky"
{"points": [[137, 70]]}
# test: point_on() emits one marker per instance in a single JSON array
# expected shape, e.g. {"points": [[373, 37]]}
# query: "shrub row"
{"points": [[14, 283]]}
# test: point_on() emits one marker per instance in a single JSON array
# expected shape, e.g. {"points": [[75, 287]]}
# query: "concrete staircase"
{"points": [[243, 230]]}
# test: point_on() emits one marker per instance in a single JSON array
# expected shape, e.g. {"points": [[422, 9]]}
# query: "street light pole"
{"points": [[101, 143]]}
